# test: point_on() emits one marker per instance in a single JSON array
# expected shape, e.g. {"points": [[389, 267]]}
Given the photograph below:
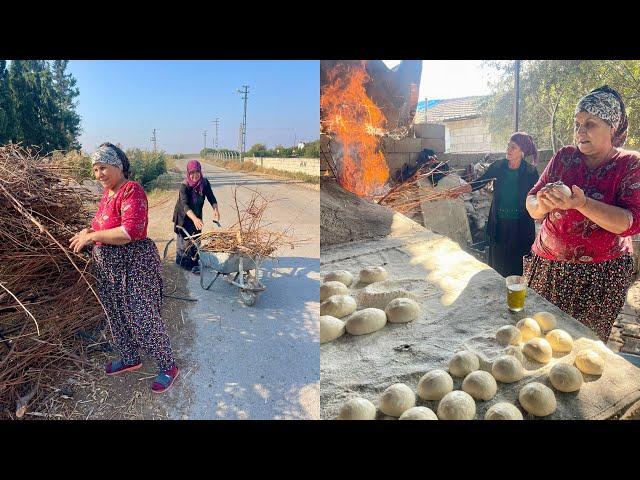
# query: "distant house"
{"points": [[466, 128]]}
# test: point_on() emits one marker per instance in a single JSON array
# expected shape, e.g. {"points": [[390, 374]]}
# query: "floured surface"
{"points": [[463, 304]]}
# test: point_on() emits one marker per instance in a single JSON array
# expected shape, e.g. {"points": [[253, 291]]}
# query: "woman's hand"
{"points": [[554, 197], [81, 240], [198, 223], [455, 192]]}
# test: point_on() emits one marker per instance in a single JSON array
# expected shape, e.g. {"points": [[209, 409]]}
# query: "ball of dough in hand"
{"points": [[373, 274], [503, 411], [329, 289], [366, 321], [342, 276], [402, 310], [463, 363], [547, 321], [357, 408], [457, 405], [330, 328], [590, 362], [538, 349], [537, 399], [434, 385], [396, 399], [529, 329], [418, 413], [565, 378], [507, 369], [480, 385], [508, 335], [338, 306], [559, 340]]}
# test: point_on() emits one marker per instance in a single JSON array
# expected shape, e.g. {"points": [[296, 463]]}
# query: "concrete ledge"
{"points": [[428, 130]]}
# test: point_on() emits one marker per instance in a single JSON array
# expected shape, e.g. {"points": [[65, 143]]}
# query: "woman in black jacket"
{"points": [[510, 230], [188, 213]]}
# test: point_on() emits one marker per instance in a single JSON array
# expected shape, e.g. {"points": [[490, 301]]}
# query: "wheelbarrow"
{"points": [[233, 267]]}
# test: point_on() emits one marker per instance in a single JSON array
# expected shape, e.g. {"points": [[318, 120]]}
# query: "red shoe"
{"points": [[118, 366], [164, 380]]}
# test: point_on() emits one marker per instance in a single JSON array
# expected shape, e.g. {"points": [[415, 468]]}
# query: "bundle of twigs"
{"points": [[46, 296], [406, 197], [249, 234]]}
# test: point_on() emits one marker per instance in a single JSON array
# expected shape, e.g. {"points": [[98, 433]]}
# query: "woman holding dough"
{"points": [[581, 259]]}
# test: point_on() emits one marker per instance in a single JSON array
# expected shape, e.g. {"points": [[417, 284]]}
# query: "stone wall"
{"points": [[309, 166], [405, 151], [470, 135]]}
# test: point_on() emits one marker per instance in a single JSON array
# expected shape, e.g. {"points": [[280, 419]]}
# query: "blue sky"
{"points": [[123, 101]]}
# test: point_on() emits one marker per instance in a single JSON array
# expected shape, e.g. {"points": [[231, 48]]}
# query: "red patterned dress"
{"points": [[129, 280], [577, 265]]}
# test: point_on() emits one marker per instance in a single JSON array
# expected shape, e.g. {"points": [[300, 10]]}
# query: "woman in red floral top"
{"points": [[127, 269], [581, 259]]}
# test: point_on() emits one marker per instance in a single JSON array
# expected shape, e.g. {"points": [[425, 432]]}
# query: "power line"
{"points": [[216, 122], [245, 95]]}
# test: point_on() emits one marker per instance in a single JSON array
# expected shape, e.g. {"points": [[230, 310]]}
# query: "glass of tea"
{"points": [[516, 291]]}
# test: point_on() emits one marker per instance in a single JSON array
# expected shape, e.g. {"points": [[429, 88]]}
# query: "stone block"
{"points": [[631, 330], [631, 345], [435, 144], [408, 145], [429, 130], [388, 145], [397, 160]]}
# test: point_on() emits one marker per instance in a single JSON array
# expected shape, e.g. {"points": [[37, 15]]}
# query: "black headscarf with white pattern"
{"points": [[605, 103]]}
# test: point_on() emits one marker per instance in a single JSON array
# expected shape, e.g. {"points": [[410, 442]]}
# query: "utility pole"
{"points": [[205, 143], [517, 95], [240, 132], [216, 122], [245, 94], [153, 140]]}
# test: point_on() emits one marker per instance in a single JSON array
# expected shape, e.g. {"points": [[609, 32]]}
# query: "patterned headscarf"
{"points": [[605, 103], [526, 144], [197, 187], [106, 155]]}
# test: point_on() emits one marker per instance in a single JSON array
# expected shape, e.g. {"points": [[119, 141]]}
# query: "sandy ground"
{"points": [[236, 362]]}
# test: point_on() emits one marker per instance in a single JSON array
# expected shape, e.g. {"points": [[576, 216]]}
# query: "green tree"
{"points": [[549, 92], [65, 92], [257, 150], [7, 120], [311, 149]]}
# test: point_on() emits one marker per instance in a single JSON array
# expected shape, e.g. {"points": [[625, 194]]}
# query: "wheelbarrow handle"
{"points": [[217, 223]]}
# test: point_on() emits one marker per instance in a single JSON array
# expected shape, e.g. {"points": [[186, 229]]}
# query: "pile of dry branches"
{"points": [[249, 234], [45, 295]]}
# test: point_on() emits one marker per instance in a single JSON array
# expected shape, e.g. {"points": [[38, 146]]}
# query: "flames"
{"points": [[357, 125]]}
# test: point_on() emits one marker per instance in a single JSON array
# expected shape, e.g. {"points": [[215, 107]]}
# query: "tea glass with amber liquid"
{"points": [[516, 292]]}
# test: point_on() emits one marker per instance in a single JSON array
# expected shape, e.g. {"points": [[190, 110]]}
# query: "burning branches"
{"points": [[46, 297], [249, 234]]}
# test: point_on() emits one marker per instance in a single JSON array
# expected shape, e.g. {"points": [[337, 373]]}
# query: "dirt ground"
{"points": [[92, 395]]}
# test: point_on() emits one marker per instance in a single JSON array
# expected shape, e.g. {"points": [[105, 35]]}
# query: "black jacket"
{"points": [[185, 203], [527, 178]]}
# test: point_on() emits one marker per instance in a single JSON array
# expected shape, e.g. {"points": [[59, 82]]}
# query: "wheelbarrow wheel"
{"points": [[248, 298]]}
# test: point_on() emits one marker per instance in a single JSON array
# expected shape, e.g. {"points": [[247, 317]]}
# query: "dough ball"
{"points": [[357, 408], [537, 399], [508, 335], [546, 320], [457, 405], [565, 378], [402, 310], [396, 399], [559, 340], [480, 385], [380, 294], [418, 413], [330, 328], [373, 274], [366, 321], [507, 369], [503, 411], [338, 306], [590, 362], [463, 363], [515, 351], [329, 289], [529, 329], [342, 276], [538, 349], [434, 385]]}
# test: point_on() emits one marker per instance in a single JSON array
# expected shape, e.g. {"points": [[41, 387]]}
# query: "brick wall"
{"points": [[309, 166], [470, 135]]}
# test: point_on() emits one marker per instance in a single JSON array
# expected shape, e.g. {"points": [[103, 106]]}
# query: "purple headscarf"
{"points": [[526, 144], [197, 187]]}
